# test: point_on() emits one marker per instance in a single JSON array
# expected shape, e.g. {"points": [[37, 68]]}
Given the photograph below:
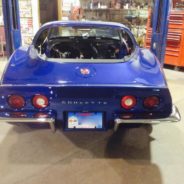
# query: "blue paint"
{"points": [[100, 90], [143, 70]]}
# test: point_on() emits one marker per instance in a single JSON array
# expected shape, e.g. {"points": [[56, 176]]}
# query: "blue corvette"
{"points": [[85, 75]]}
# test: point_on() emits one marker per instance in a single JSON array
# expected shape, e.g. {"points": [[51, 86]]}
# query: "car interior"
{"points": [[85, 44]]}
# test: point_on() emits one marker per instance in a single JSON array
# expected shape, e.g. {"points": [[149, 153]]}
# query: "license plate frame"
{"points": [[84, 121]]}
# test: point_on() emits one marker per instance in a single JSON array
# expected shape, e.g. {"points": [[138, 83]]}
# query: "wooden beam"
{"points": [[59, 9]]}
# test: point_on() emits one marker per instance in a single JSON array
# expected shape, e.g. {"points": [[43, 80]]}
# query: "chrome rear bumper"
{"points": [[50, 121], [174, 117]]}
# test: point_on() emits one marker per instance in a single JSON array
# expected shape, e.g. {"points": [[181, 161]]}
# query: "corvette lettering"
{"points": [[71, 102]]}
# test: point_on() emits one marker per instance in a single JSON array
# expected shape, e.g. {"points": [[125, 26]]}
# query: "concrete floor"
{"points": [[128, 157]]}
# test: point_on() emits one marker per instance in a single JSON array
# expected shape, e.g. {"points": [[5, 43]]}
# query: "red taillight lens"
{"points": [[16, 101], [151, 102], [128, 102], [40, 101], [41, 115], [18, 115]]}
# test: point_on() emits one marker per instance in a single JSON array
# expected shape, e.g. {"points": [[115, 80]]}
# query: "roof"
{"points": [[83, 23]]}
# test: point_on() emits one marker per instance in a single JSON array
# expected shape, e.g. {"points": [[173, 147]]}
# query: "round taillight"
{"points": [[16, 101], [40, 101], [128, 102], [151, 102]]}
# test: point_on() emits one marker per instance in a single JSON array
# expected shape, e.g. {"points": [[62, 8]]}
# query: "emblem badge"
{"points": [[84, 71]]}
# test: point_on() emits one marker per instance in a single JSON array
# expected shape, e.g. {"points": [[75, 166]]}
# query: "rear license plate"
{"points": [[85, 120]]}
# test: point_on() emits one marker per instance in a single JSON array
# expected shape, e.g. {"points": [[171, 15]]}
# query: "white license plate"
{"points": [[84, 120]]}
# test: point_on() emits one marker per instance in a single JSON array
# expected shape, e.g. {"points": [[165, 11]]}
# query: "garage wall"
{"points": [[26, 21]]}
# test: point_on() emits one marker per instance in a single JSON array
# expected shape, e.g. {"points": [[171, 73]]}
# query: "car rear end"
{"points": [[90, 75], [84, 107]]}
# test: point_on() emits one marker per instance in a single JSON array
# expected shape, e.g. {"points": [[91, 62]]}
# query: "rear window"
{"points": [[84, 43]]}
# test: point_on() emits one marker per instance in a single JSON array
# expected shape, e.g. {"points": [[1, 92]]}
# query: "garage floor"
{"points": [[128, 157]]}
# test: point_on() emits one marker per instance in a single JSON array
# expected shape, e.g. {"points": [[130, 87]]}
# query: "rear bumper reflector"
{"points": [[174, 117]]}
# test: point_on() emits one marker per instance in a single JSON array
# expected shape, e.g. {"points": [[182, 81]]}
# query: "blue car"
{"points": [[85, 76]]}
